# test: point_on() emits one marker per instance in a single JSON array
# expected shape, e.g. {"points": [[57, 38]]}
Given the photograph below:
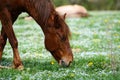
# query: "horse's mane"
{"points": [[45, 8]]}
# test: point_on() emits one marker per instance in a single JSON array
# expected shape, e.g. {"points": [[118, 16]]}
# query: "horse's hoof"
{"points": [[21, 67]]}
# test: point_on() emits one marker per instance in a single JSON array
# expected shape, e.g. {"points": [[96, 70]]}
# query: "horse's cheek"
{"points": [[51, 44]]}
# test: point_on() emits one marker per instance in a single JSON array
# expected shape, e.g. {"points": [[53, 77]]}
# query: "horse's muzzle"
{"points": [[64, 64]]}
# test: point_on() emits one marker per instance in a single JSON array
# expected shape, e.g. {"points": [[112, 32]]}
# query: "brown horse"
{"points": [[54, 28]]}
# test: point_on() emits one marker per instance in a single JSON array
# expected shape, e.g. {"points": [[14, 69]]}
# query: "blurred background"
{"points": [[92, 4]]}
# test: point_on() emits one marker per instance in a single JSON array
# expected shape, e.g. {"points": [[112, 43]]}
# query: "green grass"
{"points": [[95, 42]]}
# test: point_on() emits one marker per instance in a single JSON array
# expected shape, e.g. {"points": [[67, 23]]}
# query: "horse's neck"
{"points": [[40, 11]]}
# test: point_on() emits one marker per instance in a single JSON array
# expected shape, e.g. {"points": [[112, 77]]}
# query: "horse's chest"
{"points": [[11, 5]]}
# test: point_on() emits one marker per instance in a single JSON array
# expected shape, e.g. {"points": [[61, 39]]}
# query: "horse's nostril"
{"points": [[63, 63]]}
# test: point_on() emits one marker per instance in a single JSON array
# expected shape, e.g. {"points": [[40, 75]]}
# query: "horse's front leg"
{"points": [[7, 26], [3, 39]]}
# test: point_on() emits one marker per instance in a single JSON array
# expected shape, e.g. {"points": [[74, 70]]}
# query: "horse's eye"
{"points": [[57, 26], [63, 38]]}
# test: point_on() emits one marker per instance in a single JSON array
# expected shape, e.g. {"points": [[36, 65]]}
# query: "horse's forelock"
{"points": [[60, 23]]}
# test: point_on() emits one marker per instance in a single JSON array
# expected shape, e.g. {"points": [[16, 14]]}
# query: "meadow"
{"points": [[95, 42]]}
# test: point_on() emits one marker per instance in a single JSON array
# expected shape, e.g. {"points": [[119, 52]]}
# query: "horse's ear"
{"points": [[64, 16]]}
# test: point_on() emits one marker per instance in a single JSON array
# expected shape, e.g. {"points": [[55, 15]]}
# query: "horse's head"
{"points": [[57, 40], [55, 30]]}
